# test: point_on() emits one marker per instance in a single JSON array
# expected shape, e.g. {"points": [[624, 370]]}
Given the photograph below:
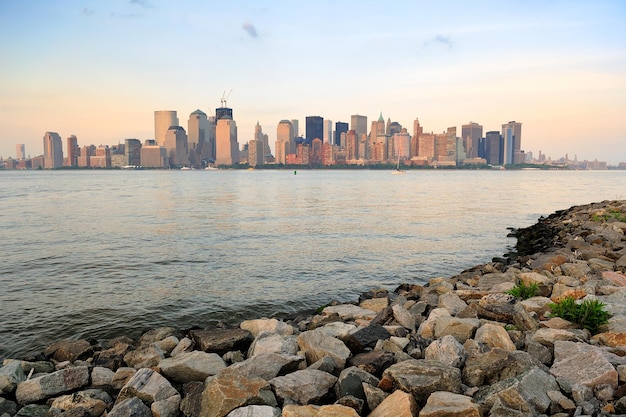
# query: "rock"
{"points": [[268, 365], [101, 377], [271, 326], [461, 329], [496, 365], [167, 345], [131, 407], [375, 304], [147, 385], [523, 392], [487, 281], [191, 403], [451, 302], [587, 367], [421, 377], [548, 337], [446, 350], [325, 364], [113, 358], [49, 385], [403, 317], [94, 401], [7, 407], [351, 380], [316, 344], [397, 404], [494, 336], [34, 410], [538, 305], [366, 337], [255, 411], [427, 328], [349, 312], [156, 335], [122, 376], [374, 362], [615, 277], [373, 396], [10, 375], [167, 407], [69, 350], [144, 357], [611, 339], [599, 265], [576, 270], [191, 366], [448, 404], [303, 387], [560, 403], [230, 389], [273, 343], [184, 345], [222, 340], [338, 329]]}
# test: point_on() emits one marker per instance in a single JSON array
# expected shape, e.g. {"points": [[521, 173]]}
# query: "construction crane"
{"points": [[225, 97]]}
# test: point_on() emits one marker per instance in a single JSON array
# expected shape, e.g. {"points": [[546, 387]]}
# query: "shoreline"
{"points": [[486, 352]]}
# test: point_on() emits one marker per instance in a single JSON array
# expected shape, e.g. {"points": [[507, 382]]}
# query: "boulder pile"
{"points": [[458, 346]]}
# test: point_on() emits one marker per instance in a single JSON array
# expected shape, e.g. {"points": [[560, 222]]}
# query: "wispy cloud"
{"points": [[142, 3], [87, 12], [440, 40], [250, 30]]}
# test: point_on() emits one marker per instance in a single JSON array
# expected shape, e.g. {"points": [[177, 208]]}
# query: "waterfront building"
{"points": [[352, 146], [296, 130], [340, 128], [86, 152], [226, 145], [20, 151], [328, 131], [102, 157], [417, 131], [471, 134], [284, 140], [315, 155], [401, 144], [393, 128], [154, 156], [358, 123], [132, 152], [314, 128], [492, 148], [512, 134], [52, 150], [72, 151], [255, 152], [177, 146], [222, 113], [163, 119], [198, 138], [263, 138], [328, 154], [507, 145], [426, 146]]}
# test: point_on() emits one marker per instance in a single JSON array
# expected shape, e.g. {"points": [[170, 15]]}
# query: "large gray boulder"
{"points": [[49, 385], [446, 350], [268, 365], [316, 344], [585, 366], [496, 365], [273, 343], [130, 407], [95, 401], [351, 380], [10, 375], [191, 366], [149, 386], [303, 387], [271, 326]]}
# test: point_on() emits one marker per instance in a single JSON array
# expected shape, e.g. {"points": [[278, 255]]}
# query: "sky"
{"points": [[99, 69]]}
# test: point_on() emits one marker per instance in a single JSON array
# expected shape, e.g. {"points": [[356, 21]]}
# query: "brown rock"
{"points": [[222, 340], [69, 350], [398, 404]]}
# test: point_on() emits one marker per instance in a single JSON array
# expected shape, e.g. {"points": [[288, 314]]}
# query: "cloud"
{"points": [[142, 3], [250, 30], [87, 12], [440, 40]]}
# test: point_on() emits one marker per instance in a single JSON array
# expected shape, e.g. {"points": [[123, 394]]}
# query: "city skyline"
{"points": [[98, 70]]}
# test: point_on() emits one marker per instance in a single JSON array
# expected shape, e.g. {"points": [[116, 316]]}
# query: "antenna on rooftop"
{"points": [[225, 97]]}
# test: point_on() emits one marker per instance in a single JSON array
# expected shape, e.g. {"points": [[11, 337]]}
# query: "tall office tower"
{"points": [[20, 151], [507, 145], [52, 150], [415, 139], [86, 152], [358, 124], [314, 128], [448, 146], [223, 112], [255, 152], [132, 152], [72, 151], [492, 148], [393, 128], [315, 151], [284, 138], [340, 127], [226, 145], [177, 146], [401, 144], [426, 146], [515, 134], [328, 131], [296, 129], [163, 119], [471, 134], [352, 146], [197, 132], [263, 138]]}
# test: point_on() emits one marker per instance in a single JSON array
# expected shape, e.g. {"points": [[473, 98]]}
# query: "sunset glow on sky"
{"points": [[99, 69]]}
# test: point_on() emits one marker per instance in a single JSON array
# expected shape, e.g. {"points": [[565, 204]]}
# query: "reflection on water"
{"points": [[100, 253]]}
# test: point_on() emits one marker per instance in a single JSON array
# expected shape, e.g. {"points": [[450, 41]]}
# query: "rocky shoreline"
{"points": [[458, 346]]}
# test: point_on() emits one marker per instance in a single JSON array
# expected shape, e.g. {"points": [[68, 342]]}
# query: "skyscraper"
{"points": [[471, 134], [197, 137], [296, 128], [492, 148], [20, 151], [415, 139], [513, 130], [163, 119], [328, 131], [52, 150], [341, 127], [284, 139], [177, 146], [359, 125], [72, 151], [314, 128], [226, 145], [132, 151]]}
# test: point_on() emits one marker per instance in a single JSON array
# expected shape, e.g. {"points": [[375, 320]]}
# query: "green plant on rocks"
{"points": [[523, 291], [616, 214], [590, 314]]}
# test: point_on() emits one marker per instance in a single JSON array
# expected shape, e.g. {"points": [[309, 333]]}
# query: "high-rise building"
{"points": [[296, 129], [255, 152], [328, 131], [492, 148], [132, 152], [314, 128], [513, 130], [393, 128], [52, 150], [401, 144], [154, 156], [20, 151], [415, 139], [72, 151], [284, 139], [197, 130], [163, 119], [471, 134], [226, 145], [263, 138], [177, 146], [358, 124], [426, 146], [340, 127], [352, 146]]}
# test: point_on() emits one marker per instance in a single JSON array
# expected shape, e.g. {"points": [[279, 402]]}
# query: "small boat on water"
{"points": [[211, 168], [398, 171], [187, 169]]}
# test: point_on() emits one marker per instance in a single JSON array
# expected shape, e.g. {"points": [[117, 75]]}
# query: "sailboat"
{"points": [[398, 171]]}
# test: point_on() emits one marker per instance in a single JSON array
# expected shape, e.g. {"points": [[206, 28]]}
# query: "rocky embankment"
{"points": [[458, 346]]}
